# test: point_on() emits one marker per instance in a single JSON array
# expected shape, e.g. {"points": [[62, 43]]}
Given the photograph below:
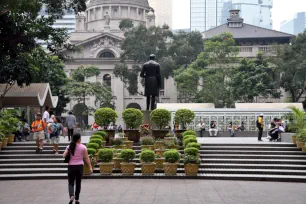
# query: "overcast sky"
{"points": [[282, 9]]}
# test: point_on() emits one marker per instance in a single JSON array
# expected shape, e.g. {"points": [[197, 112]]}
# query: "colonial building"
{"points": [[98, 34]]}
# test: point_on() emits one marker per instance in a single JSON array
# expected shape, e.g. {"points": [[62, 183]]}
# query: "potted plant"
{"points": [[9, 123], [118, 143], [159, 160], [94, 146], [105, 158], [105, 117], [183, 117], [91, 153], [145, 130], [101, 133], [147, 143], [116, 159], [189, 132], [189, 140], [171, 159], [159, 146], [191, 165], [132, 118], [99, 138], [297, 123], [192, 151], [148, 166], [171, 143], [194, 144], [128, 144], [161, 118], [127, 166], [97, 141]]}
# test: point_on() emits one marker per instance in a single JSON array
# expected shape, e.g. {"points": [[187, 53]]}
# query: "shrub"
{"points": [[106, 155], [170, 135], [127, 155], [101, 133], [184, 117], [171, 142], [132, 117], [191, 151], [116, 153], [97, 137], [117, 142], [91, 152], [147, 156], [93, 146], [189, 132], [97, 141], [193, 144], [189, 159], [148, 140], [160, 117], [189, 136], [190, 140], [172, 156], [105, 116]]}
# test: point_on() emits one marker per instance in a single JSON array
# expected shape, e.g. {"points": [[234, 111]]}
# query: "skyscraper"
{"points": [[163, 11], [295, 24]]}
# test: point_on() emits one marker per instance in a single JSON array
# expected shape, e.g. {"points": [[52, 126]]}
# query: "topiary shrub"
{"points": [[172, 156], [160, 117], [193, 144], [191, 151], [189, 159], [97, 137], [189, 132], [184, 117], [132, 117], [91, 152], [97, 141], [93, 146], [127, 155], [101, 133], [117, 142], [147, 156], [105, 116], [190, 140], [189, 136], [106, 155], [148, 140]]}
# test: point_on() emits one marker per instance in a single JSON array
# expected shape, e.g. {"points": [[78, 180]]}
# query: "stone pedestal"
{"points": [[107, 29], [146, 119]]}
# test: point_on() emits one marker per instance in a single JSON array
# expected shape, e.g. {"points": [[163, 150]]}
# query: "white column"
{"points": [[137, 10], [129, 12], [144, 15], [102, 12], [110, 11], [120, 12], [95, 13]]}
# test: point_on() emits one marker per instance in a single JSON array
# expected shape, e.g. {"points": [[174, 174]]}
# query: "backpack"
{"points": [[54, 129]]}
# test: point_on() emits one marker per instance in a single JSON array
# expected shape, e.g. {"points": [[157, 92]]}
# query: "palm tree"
{"points": [[298, 123]]}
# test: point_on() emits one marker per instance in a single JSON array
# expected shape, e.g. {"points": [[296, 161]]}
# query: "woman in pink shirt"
{"points": [[78, 153]]}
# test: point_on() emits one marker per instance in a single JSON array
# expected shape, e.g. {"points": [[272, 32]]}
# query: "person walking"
{"points": [[78, 153], [70, 122], [201, 126], [56, 129], [46, 119], [38, 127], [260, 126]]}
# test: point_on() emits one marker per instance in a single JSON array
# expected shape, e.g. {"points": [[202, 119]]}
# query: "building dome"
{"points": [[142, 3]]}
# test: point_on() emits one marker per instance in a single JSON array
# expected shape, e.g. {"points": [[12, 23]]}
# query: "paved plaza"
{"points": [[154, 191]]}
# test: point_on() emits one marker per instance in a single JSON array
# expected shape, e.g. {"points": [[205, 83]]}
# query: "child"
{"points": [[38, 127]]}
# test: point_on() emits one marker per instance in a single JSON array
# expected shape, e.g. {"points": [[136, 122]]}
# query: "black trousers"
{"points": [[75, 173], [152, 102], [202, 132], [260, 130], [70, 134]]}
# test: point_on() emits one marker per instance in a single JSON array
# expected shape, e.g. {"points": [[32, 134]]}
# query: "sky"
{"points": [[282, 9]]}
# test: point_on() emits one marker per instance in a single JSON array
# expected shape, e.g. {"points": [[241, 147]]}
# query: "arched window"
{"points": [[107, 79], [107, 54], [134, 105]]}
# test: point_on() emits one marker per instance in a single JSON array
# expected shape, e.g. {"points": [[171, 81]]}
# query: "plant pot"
{"points": [[151, 147], [86, 168], [0, 145], [117, 162], [4, 142], [128, 144], [304, 147], [148, 168], [170, 169], [97, 157], [191, 169], [159, 163], [294, 139], [106, 168], [128, 168], [159, 145], [11, 138], [110, 136], [160, 133], [300, 144], [125, 139], [119, 147], [173, 147], [132, 135], [160, 152]]}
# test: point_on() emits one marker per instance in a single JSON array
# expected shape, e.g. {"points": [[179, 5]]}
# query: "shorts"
{"points": [[39, 135], [54, 140]]}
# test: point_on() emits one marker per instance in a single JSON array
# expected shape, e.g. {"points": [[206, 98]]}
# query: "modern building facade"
{"points": [[207, 14], [295, 24], [163, 11]]}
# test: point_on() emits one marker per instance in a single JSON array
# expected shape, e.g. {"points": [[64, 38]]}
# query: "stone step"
{"points": [[32, 160], [33, 165], [252, 152], [246, 177], [248, 148], [254, 161]]}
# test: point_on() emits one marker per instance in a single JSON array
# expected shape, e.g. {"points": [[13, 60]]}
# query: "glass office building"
{"points": [[295, 24], [207, 14]]}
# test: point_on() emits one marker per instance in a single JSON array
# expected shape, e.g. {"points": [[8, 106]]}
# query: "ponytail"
{"points": [[72, 145]]}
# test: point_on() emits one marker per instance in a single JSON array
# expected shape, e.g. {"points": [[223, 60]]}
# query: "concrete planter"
{"points": [[294, 139], [160, 152], [151, 147], [191, 169], [4, 142], [160, 133], [132, 135], [170, 169], [11, 138], [148, 168], [117, 162], [106, 168], [159, 145], [128, 144], [86, 168], [128, 169], [159, 163], [119, 147]]}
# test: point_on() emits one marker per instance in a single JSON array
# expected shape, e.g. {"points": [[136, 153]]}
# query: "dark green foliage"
{"points": [[172, 156], [147, 156], [193, 144], [189, 132], [105, 116], [105, 155], [189, 159], [184, 117], [127, 155], [93, 146], [189, 136], [98, 141], [97, 137], [191, 151], [91, 152], [101, 133], [190, 140], [132, 117], [117, 142], [160, 117], [148, 140]]}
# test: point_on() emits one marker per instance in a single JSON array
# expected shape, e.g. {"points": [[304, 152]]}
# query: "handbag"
{"points": [[67, 158]]}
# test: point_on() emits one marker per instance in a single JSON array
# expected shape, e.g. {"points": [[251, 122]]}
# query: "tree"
{"points": [[253, 78], [126, 24], [290, 61], [20, 28]]}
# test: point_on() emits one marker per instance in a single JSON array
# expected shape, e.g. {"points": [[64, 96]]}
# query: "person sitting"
{"points": [[231, 129], [213, 128], [241, 127], [201, 127]]}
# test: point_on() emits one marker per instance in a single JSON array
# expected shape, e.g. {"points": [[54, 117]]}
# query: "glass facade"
{"points": [[294, 25], [207, 14]]}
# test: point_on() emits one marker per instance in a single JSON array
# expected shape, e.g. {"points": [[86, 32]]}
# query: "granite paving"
{"points": [[117, 191]]}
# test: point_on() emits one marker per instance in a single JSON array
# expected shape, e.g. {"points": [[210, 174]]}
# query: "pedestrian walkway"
{"points": [[234, 140], [135, 191]]}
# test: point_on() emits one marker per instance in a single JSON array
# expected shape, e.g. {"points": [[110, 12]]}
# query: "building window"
{"points": [[107, 79], [107, 54]]}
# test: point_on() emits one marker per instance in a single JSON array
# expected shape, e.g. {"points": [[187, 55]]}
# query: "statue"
{"points": [[151, 72], [107, 19]]}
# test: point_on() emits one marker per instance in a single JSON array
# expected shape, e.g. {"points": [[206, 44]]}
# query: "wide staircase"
{"points": [[257, 162]]}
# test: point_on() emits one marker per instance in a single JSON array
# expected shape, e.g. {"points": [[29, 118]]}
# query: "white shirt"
{"points": [[46, 116]]}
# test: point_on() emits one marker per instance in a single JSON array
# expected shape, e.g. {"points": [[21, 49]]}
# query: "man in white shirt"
{"points": [[46, 119], [201, 127]]}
